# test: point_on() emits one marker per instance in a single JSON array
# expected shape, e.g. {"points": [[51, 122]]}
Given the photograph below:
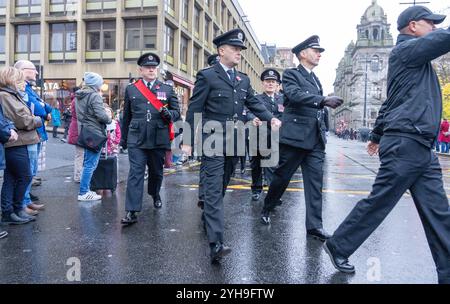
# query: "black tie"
{"points": [[314, 79], [149, 85], [231, 74]]}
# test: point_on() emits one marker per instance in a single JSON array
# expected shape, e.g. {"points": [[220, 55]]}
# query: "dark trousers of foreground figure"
{"points": [[139, 159], [217, 171], [257, 173], [311, 162], [405, 164]]}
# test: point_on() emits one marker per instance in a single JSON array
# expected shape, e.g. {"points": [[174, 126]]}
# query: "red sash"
{"points": [[155, 102]]}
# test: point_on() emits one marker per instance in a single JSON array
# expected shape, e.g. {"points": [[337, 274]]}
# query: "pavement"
{"points": [[75, 241]]}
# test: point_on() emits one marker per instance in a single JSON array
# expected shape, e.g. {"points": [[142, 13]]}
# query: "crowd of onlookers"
{"points": [[443, 141], [23, 118]]}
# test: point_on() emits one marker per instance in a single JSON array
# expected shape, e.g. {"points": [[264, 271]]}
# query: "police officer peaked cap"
{"points": [[312, 42], [416, 13], [213, 59], [271, 74], [149, 59], [234, 37]]}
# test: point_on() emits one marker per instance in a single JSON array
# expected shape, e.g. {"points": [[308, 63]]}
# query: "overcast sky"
{"points": [[288, 22]]}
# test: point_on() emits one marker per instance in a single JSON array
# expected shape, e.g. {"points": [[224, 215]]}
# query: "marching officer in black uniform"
{"points": [[275, 104], [220, 94], [150, 109], [302, 136], [404, 135], [212, 60]]}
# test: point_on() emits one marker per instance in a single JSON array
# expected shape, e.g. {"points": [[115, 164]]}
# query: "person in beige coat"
{"points": [[17, 175]]}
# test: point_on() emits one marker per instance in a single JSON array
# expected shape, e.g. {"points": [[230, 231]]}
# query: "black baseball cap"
{"points": [[416, 13]]}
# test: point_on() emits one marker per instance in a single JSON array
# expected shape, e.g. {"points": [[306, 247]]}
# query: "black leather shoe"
{"points": [[318, 234], [339, 263], [265, 217], [218, 251], [129, 219], [157, 203], [279, 203], [201, 204], [256, 196]]}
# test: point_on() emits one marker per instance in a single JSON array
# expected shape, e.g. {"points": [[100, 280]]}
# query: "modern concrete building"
{"points": [[69, 37]]}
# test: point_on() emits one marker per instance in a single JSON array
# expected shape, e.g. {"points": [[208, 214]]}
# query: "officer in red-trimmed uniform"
{"points": [[149, 111]]}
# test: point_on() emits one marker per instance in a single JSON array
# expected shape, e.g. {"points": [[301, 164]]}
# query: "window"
{"points": [[138, 4], [217, 8], [2, 7], [207, 23], [28, 7], [224, 15], [184, 53], [105, 6], [2, 45], [375, 63], [63, 7], [216, 32], [205, 59], [169, 42], [169, 6], [196, 59], [63, 42], [101, 37], [186, 12], [196, 21], [28, 38], [140, 35]]}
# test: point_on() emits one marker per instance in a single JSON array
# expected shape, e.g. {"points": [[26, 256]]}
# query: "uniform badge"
{"points": [[240, 36], [271, 73], [150, 58]]}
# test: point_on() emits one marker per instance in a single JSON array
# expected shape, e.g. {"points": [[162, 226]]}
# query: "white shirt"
{"points": [[227, 69], [147, 83]]}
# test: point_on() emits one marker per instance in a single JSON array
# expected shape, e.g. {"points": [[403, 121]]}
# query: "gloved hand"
{"points": [[165, 114], [37, 121], [332, 102]]}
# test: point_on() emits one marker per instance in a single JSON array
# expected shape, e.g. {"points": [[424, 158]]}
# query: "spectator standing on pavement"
{"points": [[39, 108], [444, 136], [66, 119], [73, 139], [90, 114], [7, 134], [56, 119], [404, 134], [18, 175]]}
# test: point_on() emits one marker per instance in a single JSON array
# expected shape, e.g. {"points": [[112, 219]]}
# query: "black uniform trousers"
{"points": [[405, 164], [217, 171], [311, 162], [257, 173], [139, 159]]}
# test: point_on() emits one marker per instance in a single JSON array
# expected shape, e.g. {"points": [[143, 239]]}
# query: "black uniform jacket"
{"points": [[414, 100], [143, 126], [303, 118], [217, 98]]}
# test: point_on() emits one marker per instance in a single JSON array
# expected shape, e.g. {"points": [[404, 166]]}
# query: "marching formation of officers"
{"points": [[224, 95]]}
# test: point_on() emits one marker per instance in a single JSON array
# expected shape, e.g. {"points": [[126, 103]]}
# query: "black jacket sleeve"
{"points": [[125, 120], [197, 101], [296, 95], [419, 51]]}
